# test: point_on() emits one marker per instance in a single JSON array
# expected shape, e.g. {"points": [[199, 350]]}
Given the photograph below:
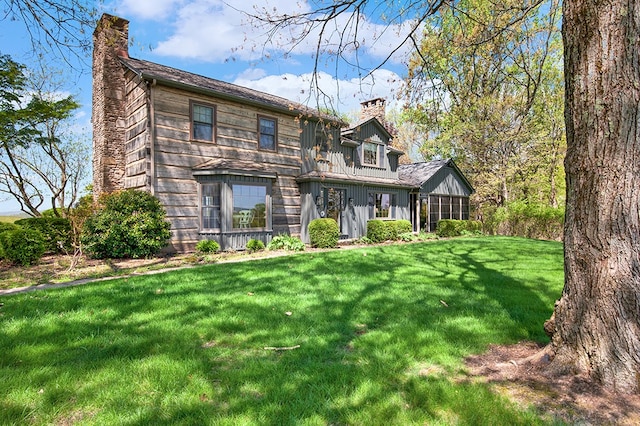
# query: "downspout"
{"points": [[152, 136]]}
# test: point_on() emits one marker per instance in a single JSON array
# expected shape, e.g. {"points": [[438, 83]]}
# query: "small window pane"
{"points": [[370, 153], [202, 122], [383, 205], [211, 206], [267, 134]]}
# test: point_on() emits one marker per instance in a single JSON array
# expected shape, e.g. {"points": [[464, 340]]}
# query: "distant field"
{"points": [[10, 218]]}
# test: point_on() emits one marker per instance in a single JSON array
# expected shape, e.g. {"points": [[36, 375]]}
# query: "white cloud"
{"points": [[350, 92], [148, 9], [214, 31]]}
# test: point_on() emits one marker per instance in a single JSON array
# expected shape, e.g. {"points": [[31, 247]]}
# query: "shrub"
{"points": [[254, 245], [285, 242], [56, 231], [207, 246], [377, 231], [6, 226], [526, 219], [455, 228], [22, 246], [397, 227], [324, 233], [407, 237], [128, 224]]}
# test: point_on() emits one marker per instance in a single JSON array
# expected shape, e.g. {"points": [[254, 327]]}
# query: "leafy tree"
{"points": [[596, 328], [36, 153], [487, 90]]}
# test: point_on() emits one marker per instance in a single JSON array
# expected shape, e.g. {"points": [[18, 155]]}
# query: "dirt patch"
{"points": [[516, 371]]}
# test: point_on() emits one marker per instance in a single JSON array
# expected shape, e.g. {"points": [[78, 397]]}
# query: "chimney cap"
{"points": [[373, 101]]}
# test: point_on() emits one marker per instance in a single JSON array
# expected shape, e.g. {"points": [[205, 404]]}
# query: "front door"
{"points": [[335, 205]]}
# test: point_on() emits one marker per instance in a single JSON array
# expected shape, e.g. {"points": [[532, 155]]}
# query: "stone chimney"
{"points": [[110, 42], [374, 108]]}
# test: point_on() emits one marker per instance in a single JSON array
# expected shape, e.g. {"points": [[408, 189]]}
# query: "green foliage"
{"points": [[324, 233], [254, 245], [286, 242], [455, 228], [407, 237], [6, 226], [37, 155], [365, 240], [207, 247], [508, 138], [22, 246], [377, 231], [129, 224], [526, 219], [384, 230], [398, 227], [56, 231]]}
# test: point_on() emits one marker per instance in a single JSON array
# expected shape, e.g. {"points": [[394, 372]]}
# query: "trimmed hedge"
{"points": [[455, 228], [22, 246], [56, 231], [129, 224], [377, 231], [384, 230], [324, 233]]}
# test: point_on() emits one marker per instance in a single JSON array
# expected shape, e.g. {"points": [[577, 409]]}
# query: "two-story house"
{"points": [[233, 164]]}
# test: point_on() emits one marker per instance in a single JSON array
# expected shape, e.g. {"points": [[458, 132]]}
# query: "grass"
{"points": [[382, 334]]}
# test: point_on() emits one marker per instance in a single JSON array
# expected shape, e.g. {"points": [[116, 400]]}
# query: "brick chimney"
{"points": [[374, 108], [110, 41]]}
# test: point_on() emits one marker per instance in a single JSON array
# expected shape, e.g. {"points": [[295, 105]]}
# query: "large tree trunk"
{"points": [[597, 320]]}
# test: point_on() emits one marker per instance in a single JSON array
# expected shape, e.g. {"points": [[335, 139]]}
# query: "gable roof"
{"points": [[354, 127], [417, 174], [174, 77]]}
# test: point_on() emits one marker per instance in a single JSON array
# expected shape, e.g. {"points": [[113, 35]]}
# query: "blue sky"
{"points": [[212, 38]]}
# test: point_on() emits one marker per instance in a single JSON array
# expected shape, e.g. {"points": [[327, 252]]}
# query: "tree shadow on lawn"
{"points": [[191, 343]]}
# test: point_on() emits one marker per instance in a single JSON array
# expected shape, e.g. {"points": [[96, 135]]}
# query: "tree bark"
{"points": [[597, 319]]}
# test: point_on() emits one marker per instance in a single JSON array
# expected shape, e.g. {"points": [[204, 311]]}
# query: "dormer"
{"points": [[369, 137]]}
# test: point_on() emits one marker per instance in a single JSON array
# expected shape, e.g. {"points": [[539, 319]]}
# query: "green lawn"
{"points": [[377, 345]]}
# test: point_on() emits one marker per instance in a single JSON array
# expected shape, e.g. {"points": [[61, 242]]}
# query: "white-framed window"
{"points": [[370, 153], [382, 205], [202, 121], [267, 133], [210, 206]]}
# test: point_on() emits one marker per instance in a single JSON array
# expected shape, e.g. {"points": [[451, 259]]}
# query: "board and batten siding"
{"points": [[340, 158], [445, 182], [354, 218], [235, 138]]}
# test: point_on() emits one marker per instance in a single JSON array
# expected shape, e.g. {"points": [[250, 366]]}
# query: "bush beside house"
{"points": [[324, 233], [127, 224]]}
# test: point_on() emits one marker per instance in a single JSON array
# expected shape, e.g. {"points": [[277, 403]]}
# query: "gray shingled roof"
{"points": [[416, 174], [176, 77]]}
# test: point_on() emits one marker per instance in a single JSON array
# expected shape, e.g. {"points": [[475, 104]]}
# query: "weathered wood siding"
{"points": [[137, 142], [236, 137]]}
